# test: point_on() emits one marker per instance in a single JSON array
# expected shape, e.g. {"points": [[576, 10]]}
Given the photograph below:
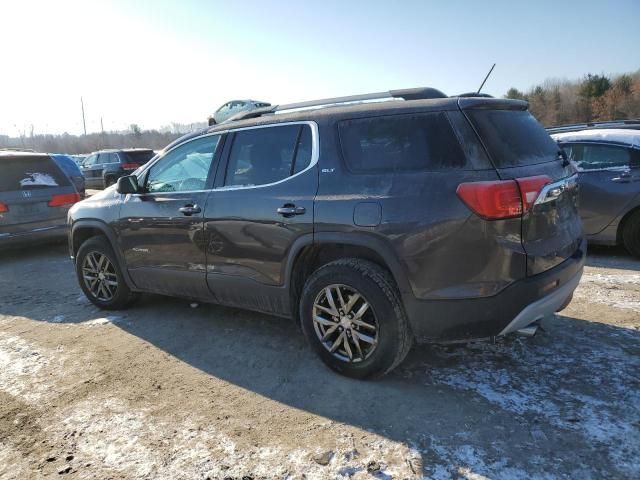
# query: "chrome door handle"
{"points": [[291, 210], [189, 210]]}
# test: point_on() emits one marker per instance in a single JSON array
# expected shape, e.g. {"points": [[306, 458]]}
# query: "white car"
{"points": [[229, 109]]}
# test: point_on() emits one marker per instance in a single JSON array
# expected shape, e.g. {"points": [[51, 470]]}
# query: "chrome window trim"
{"points": [[315, 154]]}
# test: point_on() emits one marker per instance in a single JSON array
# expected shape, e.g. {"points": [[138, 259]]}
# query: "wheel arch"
{"points": [[310, 253], [82, 230]]}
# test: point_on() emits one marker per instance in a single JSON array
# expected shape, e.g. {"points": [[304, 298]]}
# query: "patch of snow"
{"points": [[58, 319], [20, 368], [104, 320]]}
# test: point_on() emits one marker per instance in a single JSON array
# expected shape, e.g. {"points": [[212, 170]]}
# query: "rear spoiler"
{"points": [[483, 103]]}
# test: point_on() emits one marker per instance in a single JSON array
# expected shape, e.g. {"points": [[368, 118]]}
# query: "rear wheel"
{"points": [[100, 276], [352, 316], [631, 234]]}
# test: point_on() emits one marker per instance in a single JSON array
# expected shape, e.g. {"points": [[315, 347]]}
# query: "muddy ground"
{"points": [[166, 391]]}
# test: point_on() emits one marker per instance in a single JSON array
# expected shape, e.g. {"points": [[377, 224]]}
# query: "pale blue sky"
{"points": [[155, 62]]}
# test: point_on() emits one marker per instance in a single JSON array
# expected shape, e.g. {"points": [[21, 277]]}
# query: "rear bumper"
{"points": [[50, 232], [515, 307]]}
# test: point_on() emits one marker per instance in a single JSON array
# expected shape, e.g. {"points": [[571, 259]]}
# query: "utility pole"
{"points": [[83, 122], [102, 130]]}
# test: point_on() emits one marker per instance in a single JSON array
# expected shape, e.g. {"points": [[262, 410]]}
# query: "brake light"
{"points": [[64, 199], [530, 189], [494, 200], [130, 166], [3, 208]]}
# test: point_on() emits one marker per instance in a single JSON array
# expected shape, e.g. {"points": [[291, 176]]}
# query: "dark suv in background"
{"points": [[105, 167], [35, 195], [373, 224]]}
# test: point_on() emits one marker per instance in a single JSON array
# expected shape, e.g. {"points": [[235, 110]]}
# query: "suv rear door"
{"points": [[92, 171], [520, 148], [608, 183], [160, 229], [34, 194], [263, 202]]}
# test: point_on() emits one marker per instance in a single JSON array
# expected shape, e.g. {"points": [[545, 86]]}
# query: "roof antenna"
{"points": [[485, 78]]}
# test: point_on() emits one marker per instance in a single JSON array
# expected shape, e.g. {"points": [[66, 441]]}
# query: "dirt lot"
{"points": [[168, 391]]}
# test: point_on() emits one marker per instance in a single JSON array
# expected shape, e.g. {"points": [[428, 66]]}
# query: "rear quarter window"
{"points": [[29, 173], [400, 143], [513, 138]]}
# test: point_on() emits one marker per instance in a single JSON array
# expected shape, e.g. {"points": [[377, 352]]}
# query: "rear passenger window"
{"points": [[400, 143], [260, 156]]}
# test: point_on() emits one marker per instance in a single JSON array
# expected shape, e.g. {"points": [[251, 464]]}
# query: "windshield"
{"points": [[28, 173], [141, 157]]}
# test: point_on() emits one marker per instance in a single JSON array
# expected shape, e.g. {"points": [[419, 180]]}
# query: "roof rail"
{"points": [[404, 94], [632, 124], [474, 95]]}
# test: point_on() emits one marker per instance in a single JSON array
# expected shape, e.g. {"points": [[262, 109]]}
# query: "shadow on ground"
{"points": [[566, 402]]}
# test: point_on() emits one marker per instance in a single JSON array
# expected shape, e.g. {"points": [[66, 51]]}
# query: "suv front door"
{"points": [[161, 229], [608, 181], [261, 204]]}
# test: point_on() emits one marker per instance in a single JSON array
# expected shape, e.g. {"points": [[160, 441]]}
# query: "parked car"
{"points": [[373, 225], [608, 164], [104, 168], [78, 159], [229, 109], [35, 195], [72, 170]]}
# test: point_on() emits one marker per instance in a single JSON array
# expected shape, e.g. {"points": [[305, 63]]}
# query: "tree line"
{"points": [[592, 98], [134, 137]]}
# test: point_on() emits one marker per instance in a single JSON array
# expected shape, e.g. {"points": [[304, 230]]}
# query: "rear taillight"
{"points": [[3, 208], [530, 189], [64, 199], [130, 166], [498, 199]]}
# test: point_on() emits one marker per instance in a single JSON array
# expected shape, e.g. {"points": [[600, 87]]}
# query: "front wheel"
{"points": [[100, 276], [353, 318]]}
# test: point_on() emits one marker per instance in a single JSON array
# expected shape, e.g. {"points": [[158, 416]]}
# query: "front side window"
{"points": [[400, 143], [185, 168], [597, 157], [261, 156]]}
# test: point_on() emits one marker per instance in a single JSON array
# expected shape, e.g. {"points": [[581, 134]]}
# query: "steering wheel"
{"points": [[191, 183]]}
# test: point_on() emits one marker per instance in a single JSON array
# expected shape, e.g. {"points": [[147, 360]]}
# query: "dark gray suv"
{"points": [[373, 224], [104, 168]]}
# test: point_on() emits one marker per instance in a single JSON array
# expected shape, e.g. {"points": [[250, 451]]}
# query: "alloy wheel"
{"points": [[100, 276], [345, 323]]}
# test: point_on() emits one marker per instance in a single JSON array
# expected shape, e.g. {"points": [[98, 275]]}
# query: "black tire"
{"points": [[377, 287], [123, 296], [631, 234]]}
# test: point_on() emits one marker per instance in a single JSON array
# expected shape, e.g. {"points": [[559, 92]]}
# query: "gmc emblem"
{"points": [[26, 193]]}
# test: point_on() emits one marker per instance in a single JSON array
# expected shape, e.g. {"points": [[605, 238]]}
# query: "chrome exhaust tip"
{"points": [[529, 331]]}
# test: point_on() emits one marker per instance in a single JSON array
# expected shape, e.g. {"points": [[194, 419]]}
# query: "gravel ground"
{"points": [[166, 391]]}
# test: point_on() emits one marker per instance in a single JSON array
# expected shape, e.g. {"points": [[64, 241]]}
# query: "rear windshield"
{"points": [[140, 157], [29, 173], [400, 143], [513, 138]]}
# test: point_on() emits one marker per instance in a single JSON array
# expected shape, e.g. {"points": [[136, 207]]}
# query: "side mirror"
{"points": [[128, 184]]}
